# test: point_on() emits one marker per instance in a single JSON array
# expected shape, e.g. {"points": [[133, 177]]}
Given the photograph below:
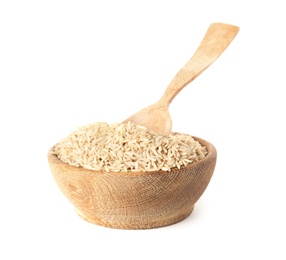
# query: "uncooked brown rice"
{"points": [[127, 147]]}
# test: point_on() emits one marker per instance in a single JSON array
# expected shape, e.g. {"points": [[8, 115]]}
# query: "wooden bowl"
{"points": [[134, 200]]}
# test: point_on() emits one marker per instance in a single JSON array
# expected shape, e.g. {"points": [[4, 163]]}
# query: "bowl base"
{"points": [[136, 226]]}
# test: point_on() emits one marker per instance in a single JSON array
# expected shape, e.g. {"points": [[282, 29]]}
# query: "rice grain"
{"points": [[127, 147]]}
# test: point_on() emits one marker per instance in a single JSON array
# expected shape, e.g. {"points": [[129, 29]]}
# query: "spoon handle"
{"points": [[215, 41]]}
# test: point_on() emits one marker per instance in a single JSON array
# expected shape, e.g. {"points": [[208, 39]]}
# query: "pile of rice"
{"points": [[127, 147]]}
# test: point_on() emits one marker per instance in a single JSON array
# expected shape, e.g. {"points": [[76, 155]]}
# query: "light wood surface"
{"points": [[157, 117], [139, 200]]}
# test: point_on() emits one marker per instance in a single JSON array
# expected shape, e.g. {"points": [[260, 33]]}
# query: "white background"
{"points": [[64, 64]]}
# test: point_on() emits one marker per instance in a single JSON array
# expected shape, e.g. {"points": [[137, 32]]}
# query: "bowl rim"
{"points": [[212, 154]]}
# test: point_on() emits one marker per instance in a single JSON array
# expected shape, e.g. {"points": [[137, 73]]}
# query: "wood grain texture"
{"points": [[140, 200], [156, 117]]}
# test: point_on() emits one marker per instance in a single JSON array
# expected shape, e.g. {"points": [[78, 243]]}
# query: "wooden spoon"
{"points": [[156, 117]]}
